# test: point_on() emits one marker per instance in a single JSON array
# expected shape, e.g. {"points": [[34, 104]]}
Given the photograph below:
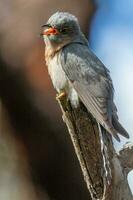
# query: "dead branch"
{"points": [[102, 169], [126, 157]]}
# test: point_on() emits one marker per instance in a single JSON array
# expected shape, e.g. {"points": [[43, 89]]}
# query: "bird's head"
{"points": [[61, 28]]}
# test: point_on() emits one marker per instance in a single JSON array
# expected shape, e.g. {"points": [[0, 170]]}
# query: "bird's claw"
{"points": [[60, 95]]}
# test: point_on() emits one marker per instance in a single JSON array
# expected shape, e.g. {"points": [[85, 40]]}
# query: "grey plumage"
{"points": [[83, 72]]}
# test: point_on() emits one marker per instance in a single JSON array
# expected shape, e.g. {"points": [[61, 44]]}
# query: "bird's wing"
{"points": [[91, 80]]}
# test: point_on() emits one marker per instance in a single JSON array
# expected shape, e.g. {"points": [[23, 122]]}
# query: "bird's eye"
{"points": [[64, 30]]}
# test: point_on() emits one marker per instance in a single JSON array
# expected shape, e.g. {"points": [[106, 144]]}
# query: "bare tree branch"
{"points": [[126, 157], [101, 167]]}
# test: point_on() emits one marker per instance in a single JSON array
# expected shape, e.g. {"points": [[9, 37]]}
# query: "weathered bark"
{"points": [[105, 172]]}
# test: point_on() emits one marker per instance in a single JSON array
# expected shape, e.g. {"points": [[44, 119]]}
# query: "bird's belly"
{"points": [[61, 82], [57, 75]]}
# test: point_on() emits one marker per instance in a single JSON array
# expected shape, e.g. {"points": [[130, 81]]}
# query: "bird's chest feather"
{"points": [[56, 73]]}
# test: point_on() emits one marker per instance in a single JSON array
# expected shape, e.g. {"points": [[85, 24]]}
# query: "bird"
{"points": [[77, 73]]}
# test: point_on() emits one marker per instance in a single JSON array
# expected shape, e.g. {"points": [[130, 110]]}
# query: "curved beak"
{"points": [[49, 30], [46, 25]]}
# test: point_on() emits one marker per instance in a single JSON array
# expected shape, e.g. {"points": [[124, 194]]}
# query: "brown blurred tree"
{"points": [[39, 161]]}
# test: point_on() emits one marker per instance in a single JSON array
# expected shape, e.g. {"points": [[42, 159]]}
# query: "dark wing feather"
{"points": [[91, 80]]}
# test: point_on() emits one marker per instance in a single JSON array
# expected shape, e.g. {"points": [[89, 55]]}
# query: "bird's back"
{"points": [[91, 80]]}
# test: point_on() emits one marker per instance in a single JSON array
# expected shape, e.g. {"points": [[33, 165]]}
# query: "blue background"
{"points": [[111, 38]]}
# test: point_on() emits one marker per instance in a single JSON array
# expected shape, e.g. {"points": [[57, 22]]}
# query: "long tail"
{"points": [[106, 162], [119, 128]]}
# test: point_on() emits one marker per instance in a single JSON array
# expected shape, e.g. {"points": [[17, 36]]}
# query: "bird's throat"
{"points": [[52, 48]]}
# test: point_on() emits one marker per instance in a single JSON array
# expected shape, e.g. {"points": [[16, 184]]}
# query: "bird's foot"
{"points": [[60, 96]]}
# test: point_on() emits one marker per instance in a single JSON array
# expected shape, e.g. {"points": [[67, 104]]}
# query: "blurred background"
{"points": [[37, 159], [111, 38]]}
